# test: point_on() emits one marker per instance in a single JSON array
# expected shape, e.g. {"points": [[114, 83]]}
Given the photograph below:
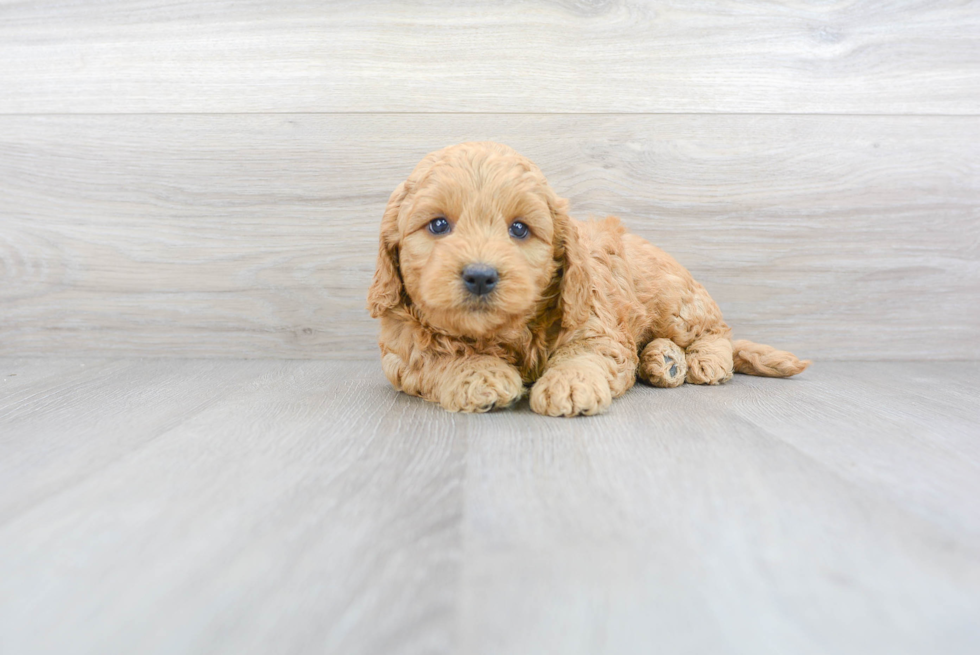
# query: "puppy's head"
{"points": [[475, 239]]}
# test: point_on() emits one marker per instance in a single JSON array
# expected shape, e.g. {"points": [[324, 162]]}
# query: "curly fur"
{"points": [[580, 310]]}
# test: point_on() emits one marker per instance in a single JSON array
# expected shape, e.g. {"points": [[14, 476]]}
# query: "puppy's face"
{"points": [[476, 235]]}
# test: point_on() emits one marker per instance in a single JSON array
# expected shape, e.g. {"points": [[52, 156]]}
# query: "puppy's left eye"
{"points": [[518, 230], [439, 226]]}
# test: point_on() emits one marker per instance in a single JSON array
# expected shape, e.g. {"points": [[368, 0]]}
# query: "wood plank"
{"points": [[729, 519], [309, 508], [132, 400], [300, 510], [611, 56], [22, 377], [255, 236], [898, 420]]}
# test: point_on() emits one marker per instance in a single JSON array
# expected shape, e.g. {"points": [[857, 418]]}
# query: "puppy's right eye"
{"points": [[439, 226]]}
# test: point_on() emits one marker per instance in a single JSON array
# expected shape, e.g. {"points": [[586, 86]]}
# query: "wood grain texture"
{"points": [[545, 56], [255, 235], [202, 506], [270, 454], [697, 523]]}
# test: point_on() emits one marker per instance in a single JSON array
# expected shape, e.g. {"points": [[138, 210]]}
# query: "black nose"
{"points": [[480, 279]]}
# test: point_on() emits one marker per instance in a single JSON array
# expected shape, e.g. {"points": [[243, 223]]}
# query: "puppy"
{"points": [[485, 285]]}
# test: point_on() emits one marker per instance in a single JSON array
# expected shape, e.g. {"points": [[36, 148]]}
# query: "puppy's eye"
{"points": [[439, 226], [518, 230]]}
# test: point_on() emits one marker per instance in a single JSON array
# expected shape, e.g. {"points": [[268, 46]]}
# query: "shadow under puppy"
{"points": [[484, 284]]}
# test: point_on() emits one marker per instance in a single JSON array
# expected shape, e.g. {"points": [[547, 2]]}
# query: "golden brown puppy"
{"points": [[485, 284]]}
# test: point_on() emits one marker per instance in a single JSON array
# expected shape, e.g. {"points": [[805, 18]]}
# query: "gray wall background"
{"points": [[207, 179]]}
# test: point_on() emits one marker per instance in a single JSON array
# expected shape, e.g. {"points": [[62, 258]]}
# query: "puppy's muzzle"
{"points": [[480, 279]]}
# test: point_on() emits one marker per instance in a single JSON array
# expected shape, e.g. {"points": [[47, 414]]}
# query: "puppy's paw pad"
{"points": [[662, 364], [483, 389], [571, 391]]}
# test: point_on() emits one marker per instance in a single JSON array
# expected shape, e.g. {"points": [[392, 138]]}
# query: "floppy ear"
{"points": [[386, 288], [576, 283]]}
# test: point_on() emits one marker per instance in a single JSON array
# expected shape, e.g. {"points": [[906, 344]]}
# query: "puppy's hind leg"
{"points": [[663, 364], [709, 360]]}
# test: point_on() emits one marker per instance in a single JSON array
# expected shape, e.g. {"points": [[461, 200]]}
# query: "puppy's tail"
{"points": [[757, 359]]}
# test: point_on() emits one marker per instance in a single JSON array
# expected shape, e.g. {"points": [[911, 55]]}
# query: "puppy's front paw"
{"points": [[571, 389], [482, 389]]}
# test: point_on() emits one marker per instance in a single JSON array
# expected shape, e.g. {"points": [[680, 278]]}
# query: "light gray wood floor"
{"points": [[205, 506]]}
